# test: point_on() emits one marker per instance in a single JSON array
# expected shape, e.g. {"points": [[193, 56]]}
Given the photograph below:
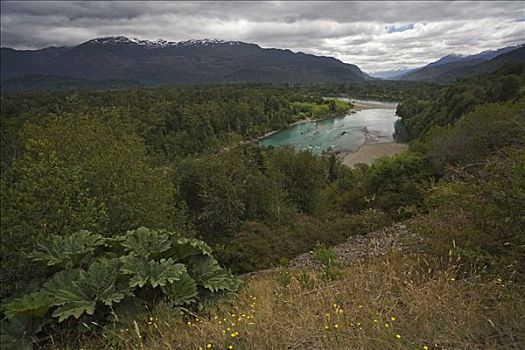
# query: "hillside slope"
{"points": [[448, 70]]}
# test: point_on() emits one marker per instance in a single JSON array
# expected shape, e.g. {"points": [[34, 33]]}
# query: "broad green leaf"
{"points": [[182, 292], [76, 291], [66, 286], [183, 248], [220, 280], [146, 242], [102, 278], [74, 308], [70, 292], [14, 334], [151, 272], [35, 304], [51, 252], [67, 251], [202, 267], [208, 274]]}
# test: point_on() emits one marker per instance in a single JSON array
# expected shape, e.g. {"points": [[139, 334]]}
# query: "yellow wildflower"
{"points": [[392, 318], [209, 346], [398, 336]]}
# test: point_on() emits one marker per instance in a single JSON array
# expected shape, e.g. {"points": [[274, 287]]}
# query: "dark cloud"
{"points": [[373, 35]]}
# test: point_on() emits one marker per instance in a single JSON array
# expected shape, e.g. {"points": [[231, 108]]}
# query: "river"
{"points": [[371, 122]]}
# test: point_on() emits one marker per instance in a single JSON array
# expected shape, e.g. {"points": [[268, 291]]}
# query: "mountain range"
{"points": [[118, 62], [452, 67], [394, 74], [146, 62]]}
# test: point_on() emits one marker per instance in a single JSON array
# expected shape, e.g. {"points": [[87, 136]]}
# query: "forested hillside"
{"points": [[452, 68], [84, 174]]}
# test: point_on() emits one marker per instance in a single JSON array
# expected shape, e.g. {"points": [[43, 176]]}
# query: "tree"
{"points": [[80, 172]]}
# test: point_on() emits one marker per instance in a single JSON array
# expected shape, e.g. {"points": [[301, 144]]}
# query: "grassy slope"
{"points": [[393, 302]]}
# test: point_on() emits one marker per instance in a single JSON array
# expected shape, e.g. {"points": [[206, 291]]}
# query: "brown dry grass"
{"points": [[394, 302]]}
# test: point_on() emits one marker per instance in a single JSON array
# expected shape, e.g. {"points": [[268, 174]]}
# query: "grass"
{"points": [[393, 302]]}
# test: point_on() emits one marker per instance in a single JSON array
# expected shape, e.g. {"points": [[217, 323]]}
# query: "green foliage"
{"points": [[478, 134], [396, 182], [74, 172], [326, 257], [210, 275], [20, 332], [35, 304], [187, 247], [67, 251], [128, 268], [184, 292], [153, 273], [143, 242], [304, 175], [323, 255], [419, 115], [71, 294], [482, 209]]}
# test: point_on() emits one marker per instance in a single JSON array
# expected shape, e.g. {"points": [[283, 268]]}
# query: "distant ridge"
{"points": [[452, 67], [394, 74], [154, 62]]}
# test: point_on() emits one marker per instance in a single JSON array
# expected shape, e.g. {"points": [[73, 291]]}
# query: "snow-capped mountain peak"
{"points": [[160, 42]]}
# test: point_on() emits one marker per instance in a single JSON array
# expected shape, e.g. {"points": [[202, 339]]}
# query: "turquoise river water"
{"points": [[344, 133]]}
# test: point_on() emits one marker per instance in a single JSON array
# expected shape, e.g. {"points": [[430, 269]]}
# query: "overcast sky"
{"points": [[373, 35]]}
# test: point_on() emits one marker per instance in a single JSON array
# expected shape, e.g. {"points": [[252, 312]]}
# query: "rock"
{"points": [[362, 247]]}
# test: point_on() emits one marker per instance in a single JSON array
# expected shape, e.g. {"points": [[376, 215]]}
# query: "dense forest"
{"points": [[84, 173]]}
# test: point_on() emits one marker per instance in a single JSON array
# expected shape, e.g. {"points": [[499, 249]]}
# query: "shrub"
{"points": [[94, 276], [478, 214], [331, 268]]}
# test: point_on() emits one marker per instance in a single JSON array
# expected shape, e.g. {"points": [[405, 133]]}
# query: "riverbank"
{"points": [[356, 107], [304, 120], [367, 153], [360, 105]]}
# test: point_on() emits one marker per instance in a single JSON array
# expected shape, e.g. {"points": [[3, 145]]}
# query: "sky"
{"points": [[374, 35]]}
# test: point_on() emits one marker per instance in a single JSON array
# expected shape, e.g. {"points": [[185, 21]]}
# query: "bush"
{"points": [[92, 277], [478, 214], [477, 135]]}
